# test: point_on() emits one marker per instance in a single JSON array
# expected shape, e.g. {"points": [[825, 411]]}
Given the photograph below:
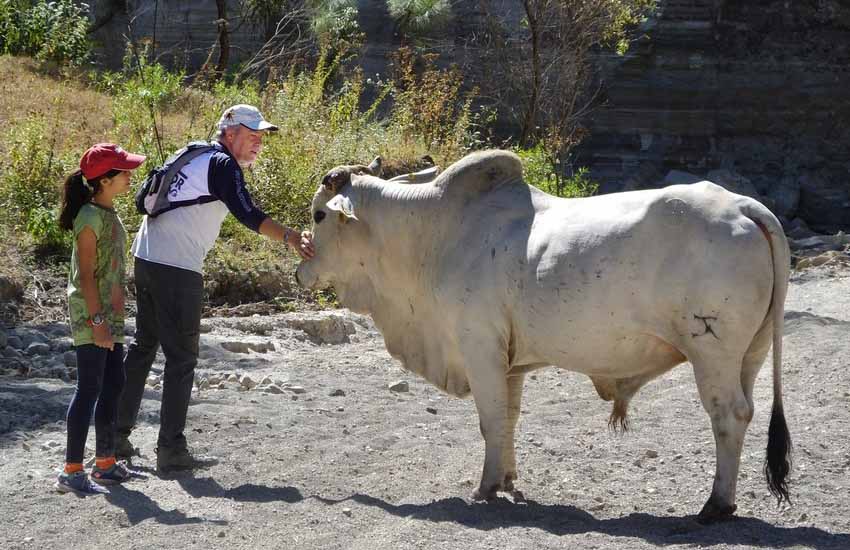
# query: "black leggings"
{"points": [[100, 379]]}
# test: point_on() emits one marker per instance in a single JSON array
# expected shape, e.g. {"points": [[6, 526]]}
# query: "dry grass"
{"points": [[80, 115]]}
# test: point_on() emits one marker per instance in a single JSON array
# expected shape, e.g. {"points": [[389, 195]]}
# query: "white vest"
{"points": [[182, 237]]}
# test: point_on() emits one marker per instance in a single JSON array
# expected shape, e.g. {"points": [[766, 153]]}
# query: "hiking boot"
{"points": [[117, 473], [79, 484], [124, 450], [175, 458]]}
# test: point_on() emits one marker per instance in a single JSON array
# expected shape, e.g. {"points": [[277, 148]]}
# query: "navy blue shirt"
{"points": [[227, 184]]}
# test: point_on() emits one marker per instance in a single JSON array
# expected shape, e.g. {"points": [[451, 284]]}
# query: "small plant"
{"points": [[543, 171]]}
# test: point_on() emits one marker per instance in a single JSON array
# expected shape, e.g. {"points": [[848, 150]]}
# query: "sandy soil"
{"points": [[330, 457]]}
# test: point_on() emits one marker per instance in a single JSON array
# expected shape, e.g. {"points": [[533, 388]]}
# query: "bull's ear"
{"points": [[375, 167], [343, 205], [335, 179]]}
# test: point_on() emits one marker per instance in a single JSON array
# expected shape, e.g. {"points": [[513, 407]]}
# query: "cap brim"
{"points": [[132, 162], [261, 126]]}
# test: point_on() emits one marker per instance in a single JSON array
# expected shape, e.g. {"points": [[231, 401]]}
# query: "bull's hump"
{"points": [[480, 172]]}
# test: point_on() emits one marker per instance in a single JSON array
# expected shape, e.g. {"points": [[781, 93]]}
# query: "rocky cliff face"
{"points": [[753, 93]]}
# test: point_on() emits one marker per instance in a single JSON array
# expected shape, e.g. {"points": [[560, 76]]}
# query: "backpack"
{"points": [[152, 196]]}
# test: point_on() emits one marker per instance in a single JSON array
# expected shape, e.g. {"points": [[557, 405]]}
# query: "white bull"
{"points": [[476, 278]]}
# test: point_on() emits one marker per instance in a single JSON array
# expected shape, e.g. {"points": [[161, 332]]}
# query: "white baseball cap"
{"points": [[246, 115]]}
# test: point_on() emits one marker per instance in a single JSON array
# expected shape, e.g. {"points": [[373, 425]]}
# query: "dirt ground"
{"points": [[321, 453]]}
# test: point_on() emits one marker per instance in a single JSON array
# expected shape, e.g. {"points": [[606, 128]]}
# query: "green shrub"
{"points": [[49, 31], [541, 171], [31, 180]]}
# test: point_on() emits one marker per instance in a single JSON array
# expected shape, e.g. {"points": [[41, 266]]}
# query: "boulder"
{"points": [[38, 348], [824, 205], [785, 194], [10, 290], [678, 177], [735, 182]]}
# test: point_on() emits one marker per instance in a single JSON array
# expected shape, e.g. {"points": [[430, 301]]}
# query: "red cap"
{"points": [[103, 157]]}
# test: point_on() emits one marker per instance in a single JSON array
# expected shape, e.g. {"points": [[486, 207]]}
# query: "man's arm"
{"points": [[226, 184]]}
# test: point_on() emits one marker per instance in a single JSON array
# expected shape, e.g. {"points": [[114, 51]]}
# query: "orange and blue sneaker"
{"points": [[116, 473], [79, 484]]}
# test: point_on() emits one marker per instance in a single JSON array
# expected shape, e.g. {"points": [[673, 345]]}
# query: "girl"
{"points": [[96, 307]]}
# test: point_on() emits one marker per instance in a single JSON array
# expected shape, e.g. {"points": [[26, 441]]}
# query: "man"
{"points": [[169, 254]]}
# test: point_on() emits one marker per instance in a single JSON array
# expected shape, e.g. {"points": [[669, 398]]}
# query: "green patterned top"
{"points": [[108, 272]]}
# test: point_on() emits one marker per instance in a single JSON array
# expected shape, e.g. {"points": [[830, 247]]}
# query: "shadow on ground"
{"points": [[140, 507], [569, 520]]}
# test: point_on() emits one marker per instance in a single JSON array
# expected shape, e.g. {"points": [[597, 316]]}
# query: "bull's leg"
{"points": [[723, 397], [490, 391], [508, 449]]}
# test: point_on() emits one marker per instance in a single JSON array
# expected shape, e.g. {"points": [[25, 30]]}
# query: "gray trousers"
{"points": [[169, 302]]}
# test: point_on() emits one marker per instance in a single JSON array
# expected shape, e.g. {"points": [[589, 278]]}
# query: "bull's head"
{"points": [[340, 245]]}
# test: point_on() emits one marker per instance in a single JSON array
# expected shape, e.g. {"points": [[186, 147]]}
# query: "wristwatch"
{"points": [[95, 320]]}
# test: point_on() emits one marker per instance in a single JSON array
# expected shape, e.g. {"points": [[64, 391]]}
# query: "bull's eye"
{"points": [[319, 216]]}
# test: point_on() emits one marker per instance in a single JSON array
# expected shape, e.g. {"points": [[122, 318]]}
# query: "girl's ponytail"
{"points": [[76, 193]]}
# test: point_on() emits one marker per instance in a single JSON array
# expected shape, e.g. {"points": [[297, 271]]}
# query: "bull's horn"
{"points": [[334, 181], [375, 167]]}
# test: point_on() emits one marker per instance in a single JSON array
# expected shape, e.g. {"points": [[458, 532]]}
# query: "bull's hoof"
{"points": [[508, 483], [519, 498], [481, 494], [713, 512]]}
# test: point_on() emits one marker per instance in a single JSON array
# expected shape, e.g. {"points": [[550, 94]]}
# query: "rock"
{"points": [[829, 257], [431, 410], [677, 177], [203, 384], [325, 329], [734, 182], [273, 388], [785, 194], [295, 389], [266, 381], [824, 205], [153, 380], [797, 229], [399, 387], [651, 453], [10, 290], [347, 511], [14, 342], [69, 358], [214, 380], [11, 353], [337, 393], [247, 347], [38, 348], [62, 345], [3, 338], [232, 378], [247, 382]]}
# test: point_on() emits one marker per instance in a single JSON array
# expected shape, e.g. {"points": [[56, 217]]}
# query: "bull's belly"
{"points": [[596, 351]]}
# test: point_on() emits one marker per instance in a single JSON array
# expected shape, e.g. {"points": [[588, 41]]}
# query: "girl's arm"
{"points": [[87, 256]]}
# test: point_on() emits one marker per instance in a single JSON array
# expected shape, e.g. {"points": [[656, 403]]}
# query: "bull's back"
{"points": [[610, 281]]}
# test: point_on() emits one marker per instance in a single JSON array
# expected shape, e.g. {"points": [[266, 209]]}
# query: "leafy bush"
{"points": [[543, 172], [49, 31], [30, 184]]}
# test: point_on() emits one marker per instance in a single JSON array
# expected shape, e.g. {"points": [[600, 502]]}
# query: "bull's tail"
{"points": [[777, 464]]}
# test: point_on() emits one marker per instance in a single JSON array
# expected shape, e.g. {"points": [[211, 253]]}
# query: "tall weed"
{"points": [[31, 178]]}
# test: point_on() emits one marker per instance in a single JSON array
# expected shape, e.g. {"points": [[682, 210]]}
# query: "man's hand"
{"points": [[303, 244]]}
